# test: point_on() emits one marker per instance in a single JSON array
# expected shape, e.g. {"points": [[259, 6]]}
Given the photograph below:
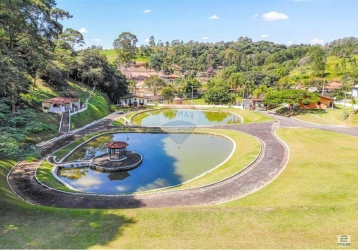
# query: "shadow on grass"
{"points": [[39, 227]]}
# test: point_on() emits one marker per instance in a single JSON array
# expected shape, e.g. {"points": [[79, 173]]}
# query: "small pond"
{"points": [[184, 117], [168, 160]]}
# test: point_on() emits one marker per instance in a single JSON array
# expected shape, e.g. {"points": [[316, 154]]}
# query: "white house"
{"points": [[132, 99], [61, 104], [355, 91]]}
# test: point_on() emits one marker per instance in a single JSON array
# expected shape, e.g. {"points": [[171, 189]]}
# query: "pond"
{"points": [[168, 160], [184, 117]]}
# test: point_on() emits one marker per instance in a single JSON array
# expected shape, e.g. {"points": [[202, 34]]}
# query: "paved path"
{"points": [[269, 165]]}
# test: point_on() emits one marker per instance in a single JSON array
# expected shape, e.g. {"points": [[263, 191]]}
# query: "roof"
{"points": [[169, 76], [117, 144], [130, 95], [326, 97], [61, 100]]}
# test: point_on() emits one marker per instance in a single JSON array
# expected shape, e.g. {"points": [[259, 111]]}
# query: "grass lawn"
{"points": [[307, 206], [45, 176], [330, 116]]}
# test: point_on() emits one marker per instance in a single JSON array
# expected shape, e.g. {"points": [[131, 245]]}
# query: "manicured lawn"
{"points": [[45, 176], [330, 116], [307, 206]]}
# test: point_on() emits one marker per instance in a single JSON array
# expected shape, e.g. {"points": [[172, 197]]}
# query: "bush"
{"points": [[112, 108]]}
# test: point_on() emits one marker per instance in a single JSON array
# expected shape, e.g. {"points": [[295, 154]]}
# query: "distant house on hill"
{"points": [[169, 78]]}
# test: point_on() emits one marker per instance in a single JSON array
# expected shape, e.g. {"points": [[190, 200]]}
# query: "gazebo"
{"points": [[117, 150]]}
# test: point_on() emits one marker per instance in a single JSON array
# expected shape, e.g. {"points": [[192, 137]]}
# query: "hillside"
{"points": [[98, 105]]}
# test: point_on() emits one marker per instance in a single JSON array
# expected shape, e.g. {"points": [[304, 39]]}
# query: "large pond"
{"points": [[168, 160], [184, 117]]}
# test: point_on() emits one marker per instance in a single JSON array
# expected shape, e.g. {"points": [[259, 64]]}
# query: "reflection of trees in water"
{"points": [[73, 173], [91, 148], [169, 114], [234, 119], [216, 116], [138, 118]]}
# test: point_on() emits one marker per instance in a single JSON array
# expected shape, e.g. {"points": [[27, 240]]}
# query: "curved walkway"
{"points": [[268, 166]]}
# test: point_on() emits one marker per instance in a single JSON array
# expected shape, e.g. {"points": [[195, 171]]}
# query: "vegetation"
{"points": [[288, 213], [44, 175], [334, 116]]}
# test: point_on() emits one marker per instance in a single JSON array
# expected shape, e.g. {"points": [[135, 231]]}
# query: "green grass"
{"points": [[98, 107], [45, 176], [307, 206], [305, 72], [330, 116], [111, 54]]}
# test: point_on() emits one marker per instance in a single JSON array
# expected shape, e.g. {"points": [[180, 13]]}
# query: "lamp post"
{"points": [[192, 90]]}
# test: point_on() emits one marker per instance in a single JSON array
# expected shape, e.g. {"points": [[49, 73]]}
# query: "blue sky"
{"points": [[280, 21]]}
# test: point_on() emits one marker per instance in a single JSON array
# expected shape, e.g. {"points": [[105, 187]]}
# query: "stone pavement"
{"points": [[267, 167]]}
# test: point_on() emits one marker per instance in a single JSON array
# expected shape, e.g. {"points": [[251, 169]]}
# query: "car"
{"points": [[119, 112]]}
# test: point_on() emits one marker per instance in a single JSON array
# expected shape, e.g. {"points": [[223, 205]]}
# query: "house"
{"points": [[61, 104], [169, 78], [133, 99], [355, 91], [325, 102]]}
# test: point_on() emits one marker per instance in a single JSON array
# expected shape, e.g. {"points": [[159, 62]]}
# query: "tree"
{"points": [[156, 62], [27, 31], [168, 93], [218, 95], [73, 38], [151, 41], [154, 83], [291, 97], [318, 60], [125, 46], [236, 80]]}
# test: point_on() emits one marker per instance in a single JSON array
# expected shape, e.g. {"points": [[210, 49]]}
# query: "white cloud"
{"points": [[96, 40], [264, 35], [272, 16], [301, 0], [83, 30], [289, 42], [146, 40], [214, 17], [256, 15], [147, 11], [205, 38], [317, 41]]}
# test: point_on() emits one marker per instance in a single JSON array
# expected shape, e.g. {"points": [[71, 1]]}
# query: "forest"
{"points": [[35, 47]]}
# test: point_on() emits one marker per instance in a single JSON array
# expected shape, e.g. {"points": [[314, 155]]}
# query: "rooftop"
{"points": [[117, 144], [61, 100]]}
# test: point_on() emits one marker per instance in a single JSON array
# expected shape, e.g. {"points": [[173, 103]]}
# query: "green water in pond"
{"points": [[184, 117], [168, 160]]}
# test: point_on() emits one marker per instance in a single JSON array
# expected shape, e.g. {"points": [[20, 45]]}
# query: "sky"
{"points": [[279, 21]]}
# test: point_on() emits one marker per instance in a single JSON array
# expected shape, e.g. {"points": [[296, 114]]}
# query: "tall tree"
{"points": [[27, 31], [151, 41], [318, 60], [154, 84], [125, 46]]}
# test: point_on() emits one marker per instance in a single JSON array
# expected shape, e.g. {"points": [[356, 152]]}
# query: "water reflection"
{"points": [[184, 117], [168, 159]]}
